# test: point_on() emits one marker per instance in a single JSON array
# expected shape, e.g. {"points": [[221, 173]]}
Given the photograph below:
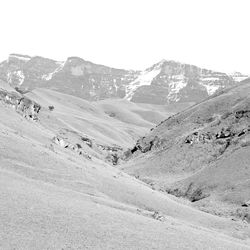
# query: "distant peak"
{"points": [[162, 61], [20, 57], [157, 65], [236, 73], [74, 58]]}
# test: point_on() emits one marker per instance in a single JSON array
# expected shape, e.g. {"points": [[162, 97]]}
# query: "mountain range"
{"points": [[93, 157], [163, 83]]}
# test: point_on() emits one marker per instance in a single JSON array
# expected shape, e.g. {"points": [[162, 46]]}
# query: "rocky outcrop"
{"points": [[197, 137], [73, 147], [192, 192], [87, 147], [143, 146], [87, 141], [23, 105], [246, 204], [220, 133], [110, 149], [80, 142], [222, 137], [113, 153], [242, 113], [28, 108]]}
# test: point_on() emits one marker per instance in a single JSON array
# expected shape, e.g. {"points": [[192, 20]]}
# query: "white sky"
{"points": [[131, 34]]}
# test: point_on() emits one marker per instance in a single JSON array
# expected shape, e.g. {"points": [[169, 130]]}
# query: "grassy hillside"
{"points": [[201, 154], [51, 197]]}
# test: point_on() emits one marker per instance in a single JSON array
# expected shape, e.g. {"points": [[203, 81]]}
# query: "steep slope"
{"points": [[239, 77], [170, 81], [163, 83], [201, 153], [75, 76], [52, 198]]}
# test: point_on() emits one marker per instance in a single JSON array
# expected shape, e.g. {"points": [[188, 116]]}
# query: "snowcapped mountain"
{"points": [[164, 82], [75, 76], [170, 81]]}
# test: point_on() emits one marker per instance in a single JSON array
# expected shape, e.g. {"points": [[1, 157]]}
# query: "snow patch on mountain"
{"points": [[209, 79], [238, 77], [20, 57], [210, 87], [49, 76], [21, 77], [15, 76], [145, 78], [175, 87]]}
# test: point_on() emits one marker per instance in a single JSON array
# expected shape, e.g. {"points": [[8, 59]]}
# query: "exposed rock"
{"points": [[225, 133], [28, 108], [246, 204], [144, 146], [192, 193], [59, 141], [87, 141], [23, 105], [111, 114], [113, 158], [242, 113], [110, 149], [158, 216], [224, 137], [64, 144], [199, 137], [217, 133], [113, 153], [84, 145]]}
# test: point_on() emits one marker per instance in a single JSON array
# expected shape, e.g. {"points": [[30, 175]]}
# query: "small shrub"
{"points": [[51, 108]]}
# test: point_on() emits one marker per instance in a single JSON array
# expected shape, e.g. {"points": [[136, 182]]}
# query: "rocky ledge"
{"points": [[23, 105]]}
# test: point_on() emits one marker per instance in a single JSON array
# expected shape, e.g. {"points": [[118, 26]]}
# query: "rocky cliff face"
{"points": [[87, 147], [164, 82], [70, 140], [23, 105], [75, 76], [170, 81]]}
